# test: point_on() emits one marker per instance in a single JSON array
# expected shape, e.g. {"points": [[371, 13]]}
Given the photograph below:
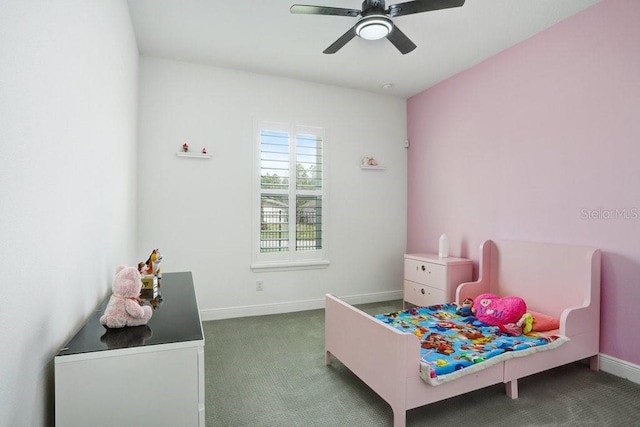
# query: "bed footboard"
{"points": [[388, 360], [378, 354]]}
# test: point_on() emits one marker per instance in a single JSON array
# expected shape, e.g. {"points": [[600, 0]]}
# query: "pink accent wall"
{"points": [[541, 142]]}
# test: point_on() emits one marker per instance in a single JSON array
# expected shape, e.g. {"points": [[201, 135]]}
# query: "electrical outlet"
{"points": [[259, 285]]}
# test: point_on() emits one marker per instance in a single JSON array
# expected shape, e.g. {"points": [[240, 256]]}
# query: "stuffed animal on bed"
{"points": [[521, 327], [526, 323], [124, 307], [494, 310], [466, 309]]}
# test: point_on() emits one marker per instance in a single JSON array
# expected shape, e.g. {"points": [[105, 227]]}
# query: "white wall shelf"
{"points": [[194, 155], [373, 167]]}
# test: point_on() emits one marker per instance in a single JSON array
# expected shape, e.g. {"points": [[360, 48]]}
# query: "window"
{"points": [[290, 215]]}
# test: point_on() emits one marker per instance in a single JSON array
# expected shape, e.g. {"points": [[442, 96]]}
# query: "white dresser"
{"points": [[429, 279], [151, 375]]}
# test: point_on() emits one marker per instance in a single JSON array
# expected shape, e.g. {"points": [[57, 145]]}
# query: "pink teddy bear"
{"points": [[124, 307]]}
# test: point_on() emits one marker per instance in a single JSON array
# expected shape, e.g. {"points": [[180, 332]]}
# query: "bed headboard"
{"points": [[550, 277]]}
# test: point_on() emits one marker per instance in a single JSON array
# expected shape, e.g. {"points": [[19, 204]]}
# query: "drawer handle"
{"points": [[422, 291]]}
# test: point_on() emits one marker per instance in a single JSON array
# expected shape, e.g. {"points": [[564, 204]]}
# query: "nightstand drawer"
{"points": [[425, 273], [422, 295]]}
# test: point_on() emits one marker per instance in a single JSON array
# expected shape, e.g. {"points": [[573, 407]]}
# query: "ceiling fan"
{"points": [[375, 22]]}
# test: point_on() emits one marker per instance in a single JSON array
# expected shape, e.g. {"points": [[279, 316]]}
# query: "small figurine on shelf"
{"points": [[204, 150], [369, 161], [185, 147]]}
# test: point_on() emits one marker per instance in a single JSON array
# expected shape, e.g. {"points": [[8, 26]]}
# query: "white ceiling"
{"points": [[264, 37]]}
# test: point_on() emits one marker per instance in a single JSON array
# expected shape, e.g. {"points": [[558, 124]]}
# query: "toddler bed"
{"points": [[559, 281]]}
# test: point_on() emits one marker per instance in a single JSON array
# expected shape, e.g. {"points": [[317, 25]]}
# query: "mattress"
{"points": [[453, 345]]}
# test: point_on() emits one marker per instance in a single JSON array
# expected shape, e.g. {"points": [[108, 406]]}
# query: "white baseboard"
{"points": [[292, 306], [620, 368]]}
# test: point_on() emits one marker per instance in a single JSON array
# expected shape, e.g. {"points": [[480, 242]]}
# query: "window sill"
{"points": [[290, 266]]}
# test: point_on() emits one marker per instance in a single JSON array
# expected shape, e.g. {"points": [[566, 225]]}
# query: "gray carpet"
{"points": [[269, 371]]}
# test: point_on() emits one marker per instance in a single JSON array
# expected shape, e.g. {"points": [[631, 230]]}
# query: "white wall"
{"points": [[199, 212], [68, 105]]}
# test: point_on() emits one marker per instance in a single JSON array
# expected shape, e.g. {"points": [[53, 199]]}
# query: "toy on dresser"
{"points": [[152, 265], [151, 275], [124, 307]]}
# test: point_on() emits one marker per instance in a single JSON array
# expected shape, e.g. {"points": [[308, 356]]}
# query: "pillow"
{"points": [[544, 322], [494, 310]]}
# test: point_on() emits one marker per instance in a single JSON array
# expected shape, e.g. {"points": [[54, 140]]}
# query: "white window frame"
{"points": [[291, 259]]}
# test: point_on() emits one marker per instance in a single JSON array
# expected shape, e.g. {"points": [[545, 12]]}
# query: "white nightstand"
{"points": [[429, 279]]}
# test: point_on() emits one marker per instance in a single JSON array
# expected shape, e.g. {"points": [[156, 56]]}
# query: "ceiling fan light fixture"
{"points": [[374, 27]]}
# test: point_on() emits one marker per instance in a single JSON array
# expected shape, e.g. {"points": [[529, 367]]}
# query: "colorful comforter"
{"points": [[454, 345]]}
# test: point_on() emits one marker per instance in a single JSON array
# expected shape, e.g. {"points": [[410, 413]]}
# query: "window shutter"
{"points": [[291, 194]]}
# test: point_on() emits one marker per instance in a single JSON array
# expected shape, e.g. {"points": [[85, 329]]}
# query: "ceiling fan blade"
{"points": [[418, 6], [400, 40], [323, 10], [344, 39]]}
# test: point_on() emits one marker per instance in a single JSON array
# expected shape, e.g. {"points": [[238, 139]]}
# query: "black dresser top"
{"points": [[175, 320]]}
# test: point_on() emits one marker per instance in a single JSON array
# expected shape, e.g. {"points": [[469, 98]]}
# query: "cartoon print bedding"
{"points": [[453, 345]]}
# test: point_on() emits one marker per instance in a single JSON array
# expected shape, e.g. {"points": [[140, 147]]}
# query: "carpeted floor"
{"points": [[269, 371]]}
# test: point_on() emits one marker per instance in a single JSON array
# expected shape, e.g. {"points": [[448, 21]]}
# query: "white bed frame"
{"points": [[559, 280]]}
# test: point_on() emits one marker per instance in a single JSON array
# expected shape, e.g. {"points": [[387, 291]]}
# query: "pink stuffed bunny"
{"points": [[124, 307]]}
